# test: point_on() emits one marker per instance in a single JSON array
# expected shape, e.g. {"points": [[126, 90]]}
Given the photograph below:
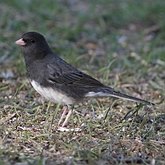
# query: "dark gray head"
{"points": [[33, 45]]}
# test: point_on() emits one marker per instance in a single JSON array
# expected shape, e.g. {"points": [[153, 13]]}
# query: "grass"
{"points": [[121, 43]]}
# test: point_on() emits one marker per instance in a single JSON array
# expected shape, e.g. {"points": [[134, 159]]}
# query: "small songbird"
{"points": [[58, 81]]}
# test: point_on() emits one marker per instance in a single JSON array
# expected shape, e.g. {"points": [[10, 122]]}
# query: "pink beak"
{"points": [[20, 42]]}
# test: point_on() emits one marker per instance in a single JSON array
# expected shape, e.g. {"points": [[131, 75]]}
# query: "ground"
{"points": [[121, 43]]}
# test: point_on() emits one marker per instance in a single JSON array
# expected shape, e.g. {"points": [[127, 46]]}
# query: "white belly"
{"points": [[51, 94]]}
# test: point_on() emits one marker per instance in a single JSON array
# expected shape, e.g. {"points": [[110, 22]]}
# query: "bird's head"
{"points": [[33, 44]]}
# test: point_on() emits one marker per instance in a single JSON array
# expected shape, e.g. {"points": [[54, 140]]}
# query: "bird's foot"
{"points": [[64, 129]]}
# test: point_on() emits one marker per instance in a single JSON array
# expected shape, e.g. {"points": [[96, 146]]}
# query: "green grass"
{"points": [[121, 43]]}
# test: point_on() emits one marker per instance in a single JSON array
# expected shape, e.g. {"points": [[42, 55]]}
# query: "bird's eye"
{"points": [[32, 41], [24, 40]]}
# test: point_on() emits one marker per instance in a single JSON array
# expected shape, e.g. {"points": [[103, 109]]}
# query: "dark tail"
{"points": [[107, 91], [131, 98]]}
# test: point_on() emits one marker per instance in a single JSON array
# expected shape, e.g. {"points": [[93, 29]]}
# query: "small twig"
{"points": [[132, 112], [106, 114], [5, 119]]}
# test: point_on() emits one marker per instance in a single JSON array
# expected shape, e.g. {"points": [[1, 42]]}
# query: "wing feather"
{"points": [[69, 75]]}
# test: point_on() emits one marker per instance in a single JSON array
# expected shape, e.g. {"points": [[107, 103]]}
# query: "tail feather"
{"points": [[106, 92]]}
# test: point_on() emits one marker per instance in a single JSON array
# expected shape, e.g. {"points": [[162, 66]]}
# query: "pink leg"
{"points": [[67, 118], [65, 109]]}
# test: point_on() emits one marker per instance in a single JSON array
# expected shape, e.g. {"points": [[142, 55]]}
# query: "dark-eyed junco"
{"points": [[58, 81]]}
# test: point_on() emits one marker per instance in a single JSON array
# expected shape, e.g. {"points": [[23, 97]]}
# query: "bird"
{"points": [[58, 81]]}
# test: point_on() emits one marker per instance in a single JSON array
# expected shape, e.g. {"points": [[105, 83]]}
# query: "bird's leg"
{"points": [[64, 109], [67, 111], [67, 118]]}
